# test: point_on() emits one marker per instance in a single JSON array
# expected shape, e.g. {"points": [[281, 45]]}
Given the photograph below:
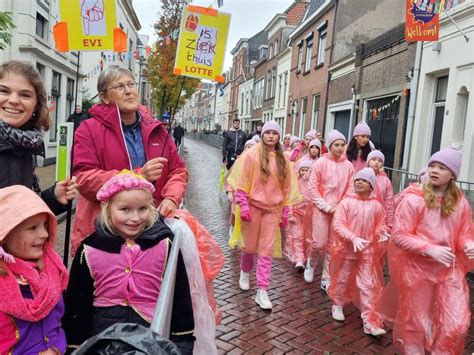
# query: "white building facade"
{"points": [[445, 107], [245, 103]]}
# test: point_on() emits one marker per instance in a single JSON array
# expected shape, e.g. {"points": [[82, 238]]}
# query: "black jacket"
{"points": [[17, 168], [234, 142], [83, 320], [77, 119], [178, 132]]}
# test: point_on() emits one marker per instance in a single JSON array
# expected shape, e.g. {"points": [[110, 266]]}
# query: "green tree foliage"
{"points": [[6, 25], [164, 83]]}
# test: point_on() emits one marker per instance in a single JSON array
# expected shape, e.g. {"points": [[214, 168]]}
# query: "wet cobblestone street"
{"points": [[300, 321]]}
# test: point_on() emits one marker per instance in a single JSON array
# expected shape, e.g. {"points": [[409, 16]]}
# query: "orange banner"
{"points": [[422, 20]]}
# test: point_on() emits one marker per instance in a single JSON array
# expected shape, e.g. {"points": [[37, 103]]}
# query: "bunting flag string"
{"points": [[107, 58], [375, 111]]}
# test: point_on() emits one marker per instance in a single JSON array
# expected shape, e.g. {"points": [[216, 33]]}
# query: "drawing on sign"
{"points": [[203, 49], [93, 19]]}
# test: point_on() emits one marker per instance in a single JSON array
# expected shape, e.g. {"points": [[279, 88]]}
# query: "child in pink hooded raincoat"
{"points": [[427, 298], [356, 272], [359, 146], [329, 181], [383, 189], [296, 246], [262, 179], [302, 149]]}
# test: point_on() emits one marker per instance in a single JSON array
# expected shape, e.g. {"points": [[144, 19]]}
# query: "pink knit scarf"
{"points": [[46, 286]]}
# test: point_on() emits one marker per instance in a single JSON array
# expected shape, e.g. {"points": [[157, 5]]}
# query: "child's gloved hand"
{"points": [[245, 215], [469, 249], [284, 222], [384, 236], [443, 255], [359, 244]]}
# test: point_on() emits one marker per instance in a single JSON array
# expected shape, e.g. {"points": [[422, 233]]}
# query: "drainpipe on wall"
{"points": [[333, 34], [411, 106], [353, 111]]}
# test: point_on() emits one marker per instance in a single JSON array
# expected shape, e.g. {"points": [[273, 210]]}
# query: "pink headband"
{"points": [[124, 180]]}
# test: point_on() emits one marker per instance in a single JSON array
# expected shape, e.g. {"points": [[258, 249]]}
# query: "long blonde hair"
{"points": [[280, 160], [106, 221], [450, 202]]}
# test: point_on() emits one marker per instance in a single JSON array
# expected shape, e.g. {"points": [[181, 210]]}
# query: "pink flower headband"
{"points": [[124, 180]]}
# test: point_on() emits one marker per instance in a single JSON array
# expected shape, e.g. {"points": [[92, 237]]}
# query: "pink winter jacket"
{"points": [[384, 194], [355, 217], [100, 152], [329, 181]]}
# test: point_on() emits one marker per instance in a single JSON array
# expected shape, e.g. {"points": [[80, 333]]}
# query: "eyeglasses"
{"points": [[121, 87]]}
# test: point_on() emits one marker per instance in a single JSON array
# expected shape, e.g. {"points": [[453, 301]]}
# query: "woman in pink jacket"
{"points": [[296, 247], [427, 298], [359, 146], [329, 181], [383, 189], [262, 180], [356, 272], [123, 135]]}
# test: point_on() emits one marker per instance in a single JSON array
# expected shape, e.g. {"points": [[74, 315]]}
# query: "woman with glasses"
{"points": [[122, 134]]}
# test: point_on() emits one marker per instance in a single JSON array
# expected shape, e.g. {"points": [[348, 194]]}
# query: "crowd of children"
{"points": [[348, 217]]}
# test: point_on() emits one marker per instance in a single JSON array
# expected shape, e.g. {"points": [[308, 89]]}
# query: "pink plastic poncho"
{"points": [[384, 194], [298, 237], [266, 199], [427, 303], [357, 276], [329, 182]]}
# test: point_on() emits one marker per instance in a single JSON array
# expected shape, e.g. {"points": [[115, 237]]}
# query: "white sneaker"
{"points": [[299, 267], [337, 313], [373, 330], [309, 272], [244, 281], [262, 299], [325, 284], [231, 231]]}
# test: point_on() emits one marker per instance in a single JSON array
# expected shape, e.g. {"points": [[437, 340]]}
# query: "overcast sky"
{"points": [[247, 17]]}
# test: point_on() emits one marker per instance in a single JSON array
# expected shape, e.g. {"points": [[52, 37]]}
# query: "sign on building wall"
{"points": [[422, 20], [202, 43], [89, 25]]}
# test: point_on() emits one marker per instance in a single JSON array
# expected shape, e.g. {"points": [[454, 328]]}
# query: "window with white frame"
{"points": [[70, 96], [322, 46], [41, 26], [279, 90], [55, 94], [270, 51], [439, 109], [274, 80], [309, 54], [304, 107], [285, 91], [315, 115], [300, 57], [269, 85], [241, 110]]}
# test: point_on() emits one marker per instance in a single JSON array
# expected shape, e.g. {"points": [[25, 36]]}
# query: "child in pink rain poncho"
{"points": [[329, 181], [427, 298], [262, 179], [314, 150], [296, 245], [383, 189], [356, 273], [302, 149], [231, 193]]}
